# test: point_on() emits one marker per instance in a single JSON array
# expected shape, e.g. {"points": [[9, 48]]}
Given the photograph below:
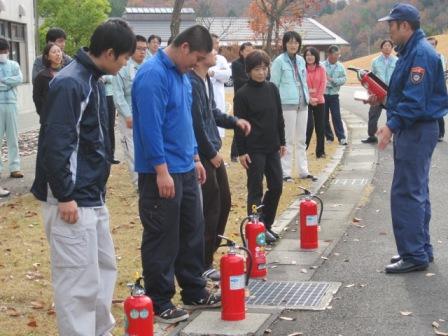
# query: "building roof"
{"points": [[237, 30], [231, 30]]}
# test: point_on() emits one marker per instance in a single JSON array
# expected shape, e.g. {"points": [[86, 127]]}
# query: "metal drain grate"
{"points": [[291, 295]]}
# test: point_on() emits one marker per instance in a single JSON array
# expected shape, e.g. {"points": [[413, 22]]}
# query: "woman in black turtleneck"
{"points": [[52, 60], [258, 101]]}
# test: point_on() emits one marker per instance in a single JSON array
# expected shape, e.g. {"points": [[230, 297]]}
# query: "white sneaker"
{"points": [[343, 142], [4, 192]]}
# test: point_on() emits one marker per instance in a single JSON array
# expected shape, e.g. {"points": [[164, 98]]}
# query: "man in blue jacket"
{"points": [[168, 165], [417, 98], [72, 168]]}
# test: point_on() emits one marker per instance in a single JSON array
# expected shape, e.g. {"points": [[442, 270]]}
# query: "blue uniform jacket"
{"points": [[74, 151], [162, 121], [417, 89]]}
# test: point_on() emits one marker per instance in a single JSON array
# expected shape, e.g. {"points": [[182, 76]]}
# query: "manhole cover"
{"points": [[306, 295]]}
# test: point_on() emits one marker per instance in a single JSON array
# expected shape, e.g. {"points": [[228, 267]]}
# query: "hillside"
{"points": [[365, 61], [357, 22]]}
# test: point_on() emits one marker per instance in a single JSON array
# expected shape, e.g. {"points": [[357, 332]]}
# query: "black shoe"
{"points": [[405, 267], [115, 161], [370, 139], [288, 179], [440, 139], [270, 238], [212, 300], [172, 315], [212, 274], [276, 236], [397, 258], [323, 156], [311, 177]]}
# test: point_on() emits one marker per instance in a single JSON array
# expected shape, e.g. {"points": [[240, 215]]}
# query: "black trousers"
{"points": [[441, 122], [316, 120], [269, 165], [374, 116], [173, 240], [233, 148], [111, 110], [216, 205]]}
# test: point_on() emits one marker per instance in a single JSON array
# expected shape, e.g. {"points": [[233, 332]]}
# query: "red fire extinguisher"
{"points": [[254, 239], [371, 83], [139, 313], [309, 220], [234, 281]]}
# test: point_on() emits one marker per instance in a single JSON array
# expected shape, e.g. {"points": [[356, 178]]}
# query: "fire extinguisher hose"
{"points": [[243, 238], [321, 206]]}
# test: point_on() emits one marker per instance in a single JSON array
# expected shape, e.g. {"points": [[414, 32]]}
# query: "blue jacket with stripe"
{"points": [[417, 89], [73, 159]]}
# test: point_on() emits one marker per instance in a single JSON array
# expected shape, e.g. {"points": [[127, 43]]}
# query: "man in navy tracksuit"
{"points": [[417, 98], [72, 168]]}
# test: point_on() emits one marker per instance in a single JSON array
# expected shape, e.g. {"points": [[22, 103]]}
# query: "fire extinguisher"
{"points": [[309, 220], [253, 235], [234, 281], [138, 310], [371, 83]]}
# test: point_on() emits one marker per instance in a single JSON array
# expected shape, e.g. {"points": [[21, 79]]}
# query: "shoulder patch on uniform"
{"points": [[417, 74]]}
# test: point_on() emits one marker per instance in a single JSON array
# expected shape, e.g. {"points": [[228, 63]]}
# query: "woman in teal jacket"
{"points": [[288, 73]]}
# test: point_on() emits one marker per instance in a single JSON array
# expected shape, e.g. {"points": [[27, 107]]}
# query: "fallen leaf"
{"points": [[286, 318], [406, 313], [304, 270], [324, 258], [440, 333], [37, 304], [429, 274], [314, 267], [356, 220], [268, 331], [350, 286], [296, 334], [436, 325], [12, 312], [293, 262], [383, 233], [32, 324], [336, 254]]}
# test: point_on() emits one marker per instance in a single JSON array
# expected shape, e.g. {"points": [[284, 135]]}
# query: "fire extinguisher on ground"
{"points": [[234, 281], [139, 313], [309, 220], [253, 235]]}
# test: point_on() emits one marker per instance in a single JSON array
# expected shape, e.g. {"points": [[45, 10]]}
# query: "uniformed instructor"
{"points": [[417, 97]]}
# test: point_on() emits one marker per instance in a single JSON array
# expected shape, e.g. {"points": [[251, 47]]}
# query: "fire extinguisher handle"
{"points": [[321, 206]]}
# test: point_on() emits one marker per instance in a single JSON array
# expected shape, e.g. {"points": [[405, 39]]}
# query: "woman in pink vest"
{"points": [[317, 81]]}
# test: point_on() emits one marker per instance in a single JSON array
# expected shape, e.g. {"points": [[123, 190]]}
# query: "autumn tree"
{"points": [[176, 16], [271, 15]]}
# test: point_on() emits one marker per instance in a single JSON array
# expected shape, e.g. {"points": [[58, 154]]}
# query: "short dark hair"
{"points": [[432, 38], [256, 58], [413, 24], [333, 49], [46, 62], [197, 37], [291, 35], [113, 34], [140, 38], [386, 41], [244, 46], [55, 33], [4, 45], [152, 37], [313, 51]]}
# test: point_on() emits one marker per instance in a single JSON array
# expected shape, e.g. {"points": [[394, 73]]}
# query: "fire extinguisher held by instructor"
{"points": [[417, 98]]}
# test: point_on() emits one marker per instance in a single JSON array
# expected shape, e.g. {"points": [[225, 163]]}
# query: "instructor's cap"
{"points": [[403, 12]]}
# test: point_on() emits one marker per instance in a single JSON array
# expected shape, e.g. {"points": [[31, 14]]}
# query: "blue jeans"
{"points": [[410, 205], [332, 104]]}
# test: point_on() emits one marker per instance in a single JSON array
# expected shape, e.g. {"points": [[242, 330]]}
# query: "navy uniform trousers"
{"points": [[411, 208]]}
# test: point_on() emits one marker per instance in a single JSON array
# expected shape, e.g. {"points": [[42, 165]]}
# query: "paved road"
{"points": [[372, 302]]}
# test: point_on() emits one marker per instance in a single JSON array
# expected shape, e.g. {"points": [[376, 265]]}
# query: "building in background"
{"points": [[17, 25]]}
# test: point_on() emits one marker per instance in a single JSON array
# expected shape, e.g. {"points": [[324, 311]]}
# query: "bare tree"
{"points": [[176, 17]]}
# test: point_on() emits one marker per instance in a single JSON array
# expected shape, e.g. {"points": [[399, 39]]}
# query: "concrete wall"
{"points": [[26, 104]]}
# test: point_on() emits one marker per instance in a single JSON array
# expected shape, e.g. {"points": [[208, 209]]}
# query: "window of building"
{"points": [[15, 34]]}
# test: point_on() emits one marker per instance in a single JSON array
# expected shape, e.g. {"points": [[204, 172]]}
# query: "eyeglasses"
{"points": [[141, 48]]}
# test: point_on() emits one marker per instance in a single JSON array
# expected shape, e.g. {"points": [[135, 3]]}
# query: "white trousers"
{"points": [[127, 140], [295, 134], [83, 270]]}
